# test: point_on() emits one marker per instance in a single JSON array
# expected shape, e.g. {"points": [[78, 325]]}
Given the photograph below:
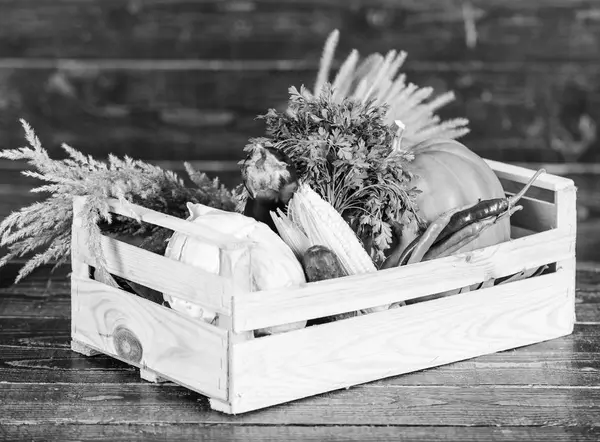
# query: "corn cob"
{"points": [[323, 225], [313, 221], [291, 234]]}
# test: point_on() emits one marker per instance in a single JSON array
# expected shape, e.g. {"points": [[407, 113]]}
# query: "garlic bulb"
{"points": [[273, 263]]}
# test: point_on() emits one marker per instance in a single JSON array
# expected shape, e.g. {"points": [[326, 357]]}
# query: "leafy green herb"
{"points": [[343, 149], [47, 224]]}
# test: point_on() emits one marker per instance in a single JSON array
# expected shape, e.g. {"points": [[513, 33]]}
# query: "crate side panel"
{"points": [[539, 215], [521, 175], [568, 268], [537, 193], [536, 215], [303, 363], [163, 274], [517, 232], [148, 335], [323, 298], [566, 201]]}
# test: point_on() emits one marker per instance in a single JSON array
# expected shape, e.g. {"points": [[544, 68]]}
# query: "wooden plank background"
{"points": [[181, 79]]}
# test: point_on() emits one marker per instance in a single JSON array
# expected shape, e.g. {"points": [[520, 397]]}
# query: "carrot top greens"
{"points": [[343, 149]]}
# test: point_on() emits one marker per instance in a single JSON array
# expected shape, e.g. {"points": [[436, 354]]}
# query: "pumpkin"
{"points": [[450, 175]]}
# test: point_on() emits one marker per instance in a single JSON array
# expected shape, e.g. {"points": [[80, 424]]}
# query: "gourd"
{"points": [[272, 263], [450, 175]]}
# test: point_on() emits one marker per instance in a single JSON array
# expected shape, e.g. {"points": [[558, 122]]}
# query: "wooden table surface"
{"points": [[548, 391]]}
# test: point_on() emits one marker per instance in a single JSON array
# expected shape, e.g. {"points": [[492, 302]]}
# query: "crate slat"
{"points": [[521, 175], [536, 215], [213, 237], [163, 274], [566, 215], [512, 187], [274, 307], [317, 359], [517, 232], [150, 336]]}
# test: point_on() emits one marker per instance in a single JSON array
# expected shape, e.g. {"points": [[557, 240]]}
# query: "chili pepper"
{"points": [[465, 235], [399, 255], [461, 238], [521, 275], [459, 219], [484, 209], [408, 251], [392, 261], [430, 235]]}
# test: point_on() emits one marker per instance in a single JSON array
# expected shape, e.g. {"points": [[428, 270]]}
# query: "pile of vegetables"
{"points": [[348, 198], [357, 176]]}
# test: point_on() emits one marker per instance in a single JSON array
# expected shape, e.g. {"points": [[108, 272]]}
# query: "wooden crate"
{"points": [[240, 373]]}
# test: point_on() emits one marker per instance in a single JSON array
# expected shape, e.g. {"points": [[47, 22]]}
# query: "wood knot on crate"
{"points": [[127, 344]]}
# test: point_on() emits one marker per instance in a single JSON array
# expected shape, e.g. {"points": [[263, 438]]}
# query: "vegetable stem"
{"points": [[515, 198]]}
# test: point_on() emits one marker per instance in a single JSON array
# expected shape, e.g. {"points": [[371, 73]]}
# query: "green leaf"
{"points": [[345, 154]]}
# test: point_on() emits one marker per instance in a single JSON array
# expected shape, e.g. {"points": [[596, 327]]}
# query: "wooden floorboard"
{"points": [[277, 433], [558, 362], [474, 405]]}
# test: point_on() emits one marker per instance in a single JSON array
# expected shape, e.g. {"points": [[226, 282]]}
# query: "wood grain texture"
{"points": [[49, 333], [44, 295], [518, 112], [83, 349], [182, 79], [243, 433], [163, 274], [542, 391], [247, 29], [324, 298], [203, 233], [537, 216], [483, 406], [521, 175], [297, 364], [573, 360], [33, 364], [146, 334], [537, 193], [530, 87], [151, 376]]}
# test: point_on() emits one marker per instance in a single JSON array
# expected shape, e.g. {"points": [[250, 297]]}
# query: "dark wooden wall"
{"points": [[183, 79]]}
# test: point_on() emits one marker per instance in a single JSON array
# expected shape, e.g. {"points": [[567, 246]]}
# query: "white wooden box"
{"points": [[240, 373]]}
